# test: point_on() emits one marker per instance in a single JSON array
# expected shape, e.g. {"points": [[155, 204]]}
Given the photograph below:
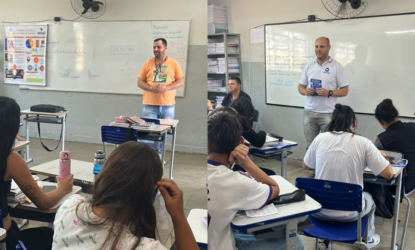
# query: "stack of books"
{"points": [[213, 65], [133, 122], [217, 19], [233, 65], [219, 100], [216, 84], [16, 195]]}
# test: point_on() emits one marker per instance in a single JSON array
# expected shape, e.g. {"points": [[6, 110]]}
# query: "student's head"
{"points": [[234, 84], [386, 113], [343, 119], [224, 131], [159, 48], [322, 48], [245, 108], [9, 126], [125, 190]]}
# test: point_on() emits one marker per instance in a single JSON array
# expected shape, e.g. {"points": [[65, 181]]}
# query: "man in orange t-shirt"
{"points": [[159, 78]]}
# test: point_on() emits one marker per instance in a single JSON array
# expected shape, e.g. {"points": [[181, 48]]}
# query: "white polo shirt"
{"points": [[342, 156], [229, 192], [332, 77]]}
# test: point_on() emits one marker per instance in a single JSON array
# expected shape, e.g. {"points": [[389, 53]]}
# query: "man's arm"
{"points": [[175, 85], [141, 83], [304, 90], [336, 93]]}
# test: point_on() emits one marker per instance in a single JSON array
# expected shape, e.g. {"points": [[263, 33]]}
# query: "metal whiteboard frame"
{"points": [[25, 87], [321, 20]]}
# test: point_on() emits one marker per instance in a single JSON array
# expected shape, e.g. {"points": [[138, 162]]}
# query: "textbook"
{"points": [[315, 84]]}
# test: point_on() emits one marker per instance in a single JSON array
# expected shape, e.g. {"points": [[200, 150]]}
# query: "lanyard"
{"points": [[158, 66]]}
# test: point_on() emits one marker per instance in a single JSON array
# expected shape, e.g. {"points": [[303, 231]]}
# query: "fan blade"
{"points": [[342, 1], [97, 2], [85, 10]]}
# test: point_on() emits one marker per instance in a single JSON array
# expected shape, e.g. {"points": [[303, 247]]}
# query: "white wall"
{"points": [[245, 14], [88, 112]]}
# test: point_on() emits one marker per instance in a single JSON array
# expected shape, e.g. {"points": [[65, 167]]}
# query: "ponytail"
{"points": [[342, 119]]}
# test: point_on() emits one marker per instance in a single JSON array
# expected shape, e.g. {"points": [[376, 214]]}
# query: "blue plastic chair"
{"points": [[117, 135], [337, 196]]}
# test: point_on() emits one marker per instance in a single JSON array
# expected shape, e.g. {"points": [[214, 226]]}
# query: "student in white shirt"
{"points": [[341, 155], [229, 191], [121, 213]]}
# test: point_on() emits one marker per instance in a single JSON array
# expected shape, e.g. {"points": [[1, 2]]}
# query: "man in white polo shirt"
{"points": [[323, 80]]}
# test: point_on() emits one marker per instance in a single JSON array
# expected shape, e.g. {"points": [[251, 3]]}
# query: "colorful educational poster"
{"points": [[25, 54]]}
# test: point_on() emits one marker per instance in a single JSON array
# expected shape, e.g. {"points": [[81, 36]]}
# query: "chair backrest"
{"points": [[256, 116], [332, 194], [117, 135]]}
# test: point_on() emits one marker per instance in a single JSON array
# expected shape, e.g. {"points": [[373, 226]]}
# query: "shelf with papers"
{"points": [[223, 63]]}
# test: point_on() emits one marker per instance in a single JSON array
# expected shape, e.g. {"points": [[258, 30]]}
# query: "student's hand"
{"points": [[310, 91], [19, 138], [66, 184], [209, 105], [239, 155], [173, 197], [322, 92]]}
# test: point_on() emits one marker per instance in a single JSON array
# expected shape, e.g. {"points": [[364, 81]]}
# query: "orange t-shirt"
{"points": [[168, 72]]}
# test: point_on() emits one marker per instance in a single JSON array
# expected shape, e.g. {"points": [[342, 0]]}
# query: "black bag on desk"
{"points": [[46, 108], [383, 199]]}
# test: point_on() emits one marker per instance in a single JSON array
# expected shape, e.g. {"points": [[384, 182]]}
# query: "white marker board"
{"points": [[377, 53], [106, 57]]}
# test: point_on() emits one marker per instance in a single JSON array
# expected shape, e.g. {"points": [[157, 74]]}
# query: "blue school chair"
{"points": [[117, 135], [337, 196]]}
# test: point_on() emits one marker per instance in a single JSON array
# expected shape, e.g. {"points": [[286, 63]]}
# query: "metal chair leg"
{"points": [[406, 221], [316, 243]]}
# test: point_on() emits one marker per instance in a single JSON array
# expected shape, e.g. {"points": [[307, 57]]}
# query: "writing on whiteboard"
{"points": [[121, 49]]}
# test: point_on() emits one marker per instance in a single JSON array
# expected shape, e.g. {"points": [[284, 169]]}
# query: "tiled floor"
{"points": [[189, 173]]}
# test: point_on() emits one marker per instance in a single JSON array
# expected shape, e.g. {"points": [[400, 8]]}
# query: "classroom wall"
{"points": [[285, 121], [88, 112]]}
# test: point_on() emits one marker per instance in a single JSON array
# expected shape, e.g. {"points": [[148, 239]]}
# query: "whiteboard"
{"points": [[377, 53], [106, 57]]}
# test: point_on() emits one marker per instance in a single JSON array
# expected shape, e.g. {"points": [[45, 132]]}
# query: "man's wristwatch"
{"points": [[330, 93]]}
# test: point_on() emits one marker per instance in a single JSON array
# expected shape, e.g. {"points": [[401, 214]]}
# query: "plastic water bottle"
{"points": [[99, 161]]}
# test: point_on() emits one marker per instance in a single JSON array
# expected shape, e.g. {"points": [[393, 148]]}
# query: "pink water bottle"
{"points": [[64, 164]]}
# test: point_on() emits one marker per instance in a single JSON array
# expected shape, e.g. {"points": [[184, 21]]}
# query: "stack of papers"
{"points": [[16, 196], [213, 65], [233, 65], [134, 122], [124, 125], [216, 84], [217, 19], [267, 210], [270, 141], [219, 47]]}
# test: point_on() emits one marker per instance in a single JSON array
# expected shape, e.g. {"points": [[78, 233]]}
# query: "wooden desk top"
{"points": [[169, 122], [82, 171], [20, 144], [28, 112], [32, 206]]}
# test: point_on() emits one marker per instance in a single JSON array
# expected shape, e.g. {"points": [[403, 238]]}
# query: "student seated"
{"points": [[121, 214], [245, 108], [341, 155], [398, 136], [229, 191], [12, 166]]}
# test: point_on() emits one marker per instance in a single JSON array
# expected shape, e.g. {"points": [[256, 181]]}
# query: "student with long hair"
{"points": [[121, 213], [398, 136], [341, 155], [12, 166]]}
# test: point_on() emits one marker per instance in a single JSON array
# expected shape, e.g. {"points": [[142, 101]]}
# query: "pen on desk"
{"points": [[28, 200], [233, 164]]}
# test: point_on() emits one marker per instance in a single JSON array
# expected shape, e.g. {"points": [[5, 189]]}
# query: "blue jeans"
{"points": [[248, 242], [157, 112]]}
